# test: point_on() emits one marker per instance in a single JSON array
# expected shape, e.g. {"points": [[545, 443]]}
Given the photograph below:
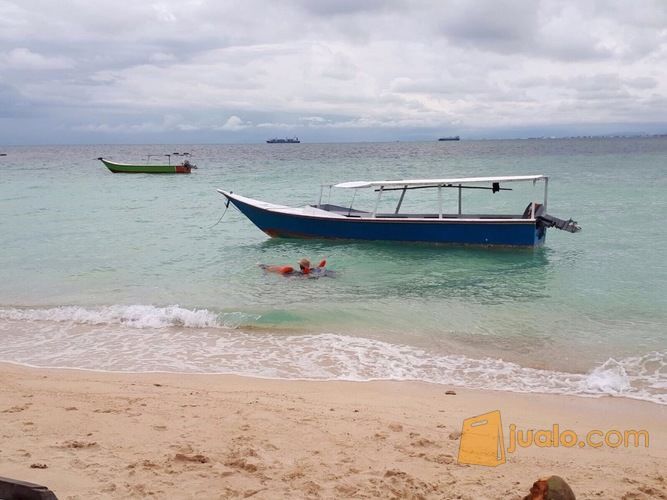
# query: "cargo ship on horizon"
{"points": [[275, 140]]}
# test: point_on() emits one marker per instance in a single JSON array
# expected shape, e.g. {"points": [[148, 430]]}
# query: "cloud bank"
{"points": [[204, 71]]}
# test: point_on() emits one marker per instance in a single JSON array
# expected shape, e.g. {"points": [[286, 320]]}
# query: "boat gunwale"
{"points": [[288, 211], [140, 165]]}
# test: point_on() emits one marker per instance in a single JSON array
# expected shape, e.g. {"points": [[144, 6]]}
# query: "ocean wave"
{"points": [[133, 316], [206, 342]]}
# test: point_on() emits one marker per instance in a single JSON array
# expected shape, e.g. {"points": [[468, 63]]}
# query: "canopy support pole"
{"points": [[400, 200], [377, 202], [546, 185], [349, 212], [319, 203], [439, 202], [460, 190]]}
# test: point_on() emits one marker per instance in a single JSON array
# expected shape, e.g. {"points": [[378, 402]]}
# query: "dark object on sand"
{"points": [[12, 489], [550, 488]]}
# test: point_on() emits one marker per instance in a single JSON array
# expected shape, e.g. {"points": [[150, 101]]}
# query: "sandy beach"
{"points": [[109, 435]]}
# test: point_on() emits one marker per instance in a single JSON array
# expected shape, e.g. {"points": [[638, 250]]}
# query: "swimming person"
{"points": [[305, 268]]}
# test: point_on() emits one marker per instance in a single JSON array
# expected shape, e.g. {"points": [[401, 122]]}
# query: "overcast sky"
{"points": [[198, 71]]}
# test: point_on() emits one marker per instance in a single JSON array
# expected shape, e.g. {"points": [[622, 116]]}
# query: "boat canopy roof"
{"points": [[440, 182]]}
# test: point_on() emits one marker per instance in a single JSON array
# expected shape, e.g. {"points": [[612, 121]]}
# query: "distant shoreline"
{"points": [[389, 141]]}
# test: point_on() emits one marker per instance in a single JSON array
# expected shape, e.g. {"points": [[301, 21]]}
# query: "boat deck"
{"points": [[353, 213]]}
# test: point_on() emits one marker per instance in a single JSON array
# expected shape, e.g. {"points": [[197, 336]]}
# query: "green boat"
{"points": [[128, 168]]}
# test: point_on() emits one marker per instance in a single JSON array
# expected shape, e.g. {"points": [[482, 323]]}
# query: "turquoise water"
{"points": [[130, 272]]}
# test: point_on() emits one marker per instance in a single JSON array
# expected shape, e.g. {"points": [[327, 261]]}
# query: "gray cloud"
{"points": [[238, 71], [496, 25], [13, 104], [328, 8]]}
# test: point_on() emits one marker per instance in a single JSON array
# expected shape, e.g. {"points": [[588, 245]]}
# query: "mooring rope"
{"points": [[223, 214]]}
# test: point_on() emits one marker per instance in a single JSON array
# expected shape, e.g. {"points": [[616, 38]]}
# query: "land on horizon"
{"points": [[389, 141]]}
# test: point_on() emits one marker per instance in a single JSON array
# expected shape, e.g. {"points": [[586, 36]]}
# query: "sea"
{"points": [[150, 273]]}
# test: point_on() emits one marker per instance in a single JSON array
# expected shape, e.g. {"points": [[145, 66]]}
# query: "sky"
{"points": [[198, 71]]}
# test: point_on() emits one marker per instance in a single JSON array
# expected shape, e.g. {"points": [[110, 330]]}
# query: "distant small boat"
{"points": [[287, 140], [452, 138], [3, 154], [184, 167]]}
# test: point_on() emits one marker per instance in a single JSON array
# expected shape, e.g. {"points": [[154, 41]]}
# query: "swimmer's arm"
{"points": [[278, 269]]}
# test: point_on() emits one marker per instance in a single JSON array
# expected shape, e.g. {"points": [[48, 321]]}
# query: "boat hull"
{"points": [[125, 168], [511, 232]]}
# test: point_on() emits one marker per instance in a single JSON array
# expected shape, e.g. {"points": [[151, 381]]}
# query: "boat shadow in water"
{"points": [[376, 270]]}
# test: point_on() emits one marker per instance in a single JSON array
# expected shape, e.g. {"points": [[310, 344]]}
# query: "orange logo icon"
{"points": [[482, 440]]}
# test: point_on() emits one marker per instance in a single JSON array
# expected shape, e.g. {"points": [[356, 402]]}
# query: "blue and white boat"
{"points": [[324, 220]]}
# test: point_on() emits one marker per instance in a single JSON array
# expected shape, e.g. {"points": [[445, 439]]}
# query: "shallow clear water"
{"points": [[130, 272]]}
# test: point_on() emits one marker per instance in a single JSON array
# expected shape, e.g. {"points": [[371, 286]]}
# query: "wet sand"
{"points": [[109, 435]]}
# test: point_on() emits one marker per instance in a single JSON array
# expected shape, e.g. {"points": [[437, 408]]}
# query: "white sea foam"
{"points": [[133, 316], [147, 338]]}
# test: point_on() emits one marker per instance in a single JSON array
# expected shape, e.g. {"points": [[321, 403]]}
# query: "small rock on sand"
{"points": [[182, 457]]}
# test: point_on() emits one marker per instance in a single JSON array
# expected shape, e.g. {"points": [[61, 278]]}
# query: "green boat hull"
{"points": [[127, 168]]}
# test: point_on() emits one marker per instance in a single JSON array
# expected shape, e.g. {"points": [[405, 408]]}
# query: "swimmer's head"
{"points": [[304, 264]]}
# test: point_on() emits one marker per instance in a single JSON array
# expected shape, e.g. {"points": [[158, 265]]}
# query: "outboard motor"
{"points": [[545, 220], [569, 225]]}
